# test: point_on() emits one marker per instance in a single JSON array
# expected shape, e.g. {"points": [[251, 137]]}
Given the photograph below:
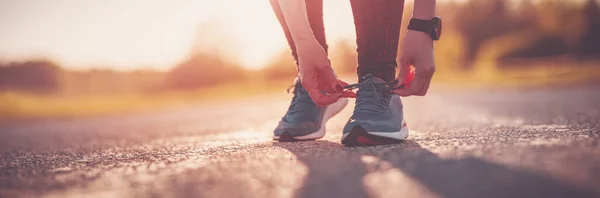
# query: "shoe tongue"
{"points": [[370, 85], [378, 80], [297, 82], [372, 79], [298, 85]]}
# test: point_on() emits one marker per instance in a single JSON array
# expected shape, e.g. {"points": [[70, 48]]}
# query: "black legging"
{"points": [[377, 25]]}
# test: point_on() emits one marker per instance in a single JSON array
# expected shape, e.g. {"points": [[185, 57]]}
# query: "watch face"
{"points": [[437, 30]]}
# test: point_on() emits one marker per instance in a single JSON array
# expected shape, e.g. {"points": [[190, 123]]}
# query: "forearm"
{"points": [[294, 12], [424, 9]]}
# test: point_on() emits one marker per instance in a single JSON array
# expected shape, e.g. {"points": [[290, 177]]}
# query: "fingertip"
{"points": [[397, 85], [343, 83], [401, 92], [314, 94], [328, 99], [349, 94], [333, 87]]}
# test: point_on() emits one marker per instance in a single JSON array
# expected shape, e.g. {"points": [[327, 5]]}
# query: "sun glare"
{"points": [[259, 35], [148, 34]]}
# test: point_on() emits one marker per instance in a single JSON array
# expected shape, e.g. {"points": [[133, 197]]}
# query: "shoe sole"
{"points": [[358, 136], [331, 111]]}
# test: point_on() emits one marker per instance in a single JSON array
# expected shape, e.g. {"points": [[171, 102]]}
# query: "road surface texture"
{"points": [[501, 143]]}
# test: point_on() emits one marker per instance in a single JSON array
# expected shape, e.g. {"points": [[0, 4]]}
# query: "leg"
{"points": [[378, 117], [304, 120], [377, 25], [314, 9]]}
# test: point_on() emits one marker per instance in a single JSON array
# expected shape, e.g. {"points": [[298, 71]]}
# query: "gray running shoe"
{"points": [[305, 120], [377, 117]]}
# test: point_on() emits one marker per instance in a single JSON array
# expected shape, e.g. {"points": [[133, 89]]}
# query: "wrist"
{"points": [[423, 16], [424, 9], [306, 44], [420, 34]]}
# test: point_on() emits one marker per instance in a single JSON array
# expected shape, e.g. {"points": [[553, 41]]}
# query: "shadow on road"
{"points": [[337, 171]]}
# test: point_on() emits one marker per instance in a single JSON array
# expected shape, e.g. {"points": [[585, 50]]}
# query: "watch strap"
{"points": [[420, 25], [426, 26]]}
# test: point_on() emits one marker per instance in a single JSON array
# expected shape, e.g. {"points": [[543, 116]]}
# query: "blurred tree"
{"points": [[564, 19], [479, 21], [211, 61], [203, 70], [38, 76], [283, 66], [107, 81], [546, 28], [344, 57], [590, 41], [541, 46]]}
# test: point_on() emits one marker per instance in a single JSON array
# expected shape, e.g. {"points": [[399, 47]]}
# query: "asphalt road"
{"points": [[500, 143]]}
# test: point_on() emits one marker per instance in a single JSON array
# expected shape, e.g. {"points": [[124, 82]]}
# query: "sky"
{"points": [[148, 34]]}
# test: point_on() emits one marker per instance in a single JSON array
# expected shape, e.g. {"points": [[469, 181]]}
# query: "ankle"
{"points": [[385, 72]]}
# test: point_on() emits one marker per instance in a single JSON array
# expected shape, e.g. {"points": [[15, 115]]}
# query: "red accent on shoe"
{"points": [[361, 140], [359, 137]]}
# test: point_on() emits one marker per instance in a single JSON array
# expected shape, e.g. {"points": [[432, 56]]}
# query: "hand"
{"points": [[416, 50], [317, 76]]}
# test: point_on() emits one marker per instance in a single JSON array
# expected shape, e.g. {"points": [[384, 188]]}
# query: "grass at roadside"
{"points": [[16, 106], [534, 75]]}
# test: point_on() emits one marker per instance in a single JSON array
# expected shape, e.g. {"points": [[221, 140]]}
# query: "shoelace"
{"points": [[356, 85], [381, 91], [390, 85], [387, 84]]}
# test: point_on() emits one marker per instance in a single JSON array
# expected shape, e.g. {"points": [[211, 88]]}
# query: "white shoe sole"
{"points": [[399, 135], [331, 111]]}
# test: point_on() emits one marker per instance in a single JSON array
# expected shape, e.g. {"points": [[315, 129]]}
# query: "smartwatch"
{"points": [[431, 27]]}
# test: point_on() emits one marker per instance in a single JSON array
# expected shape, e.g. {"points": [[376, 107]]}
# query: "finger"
{"points": [[404, 92], [314, 93], [309, 82], [404, 66], [348, 94], [329, 82], [406, 82], [322, 99], [417, 85], [343, 83], [414, 89], [425, 74], [425, 88], [328, 99], [422, 78]]}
